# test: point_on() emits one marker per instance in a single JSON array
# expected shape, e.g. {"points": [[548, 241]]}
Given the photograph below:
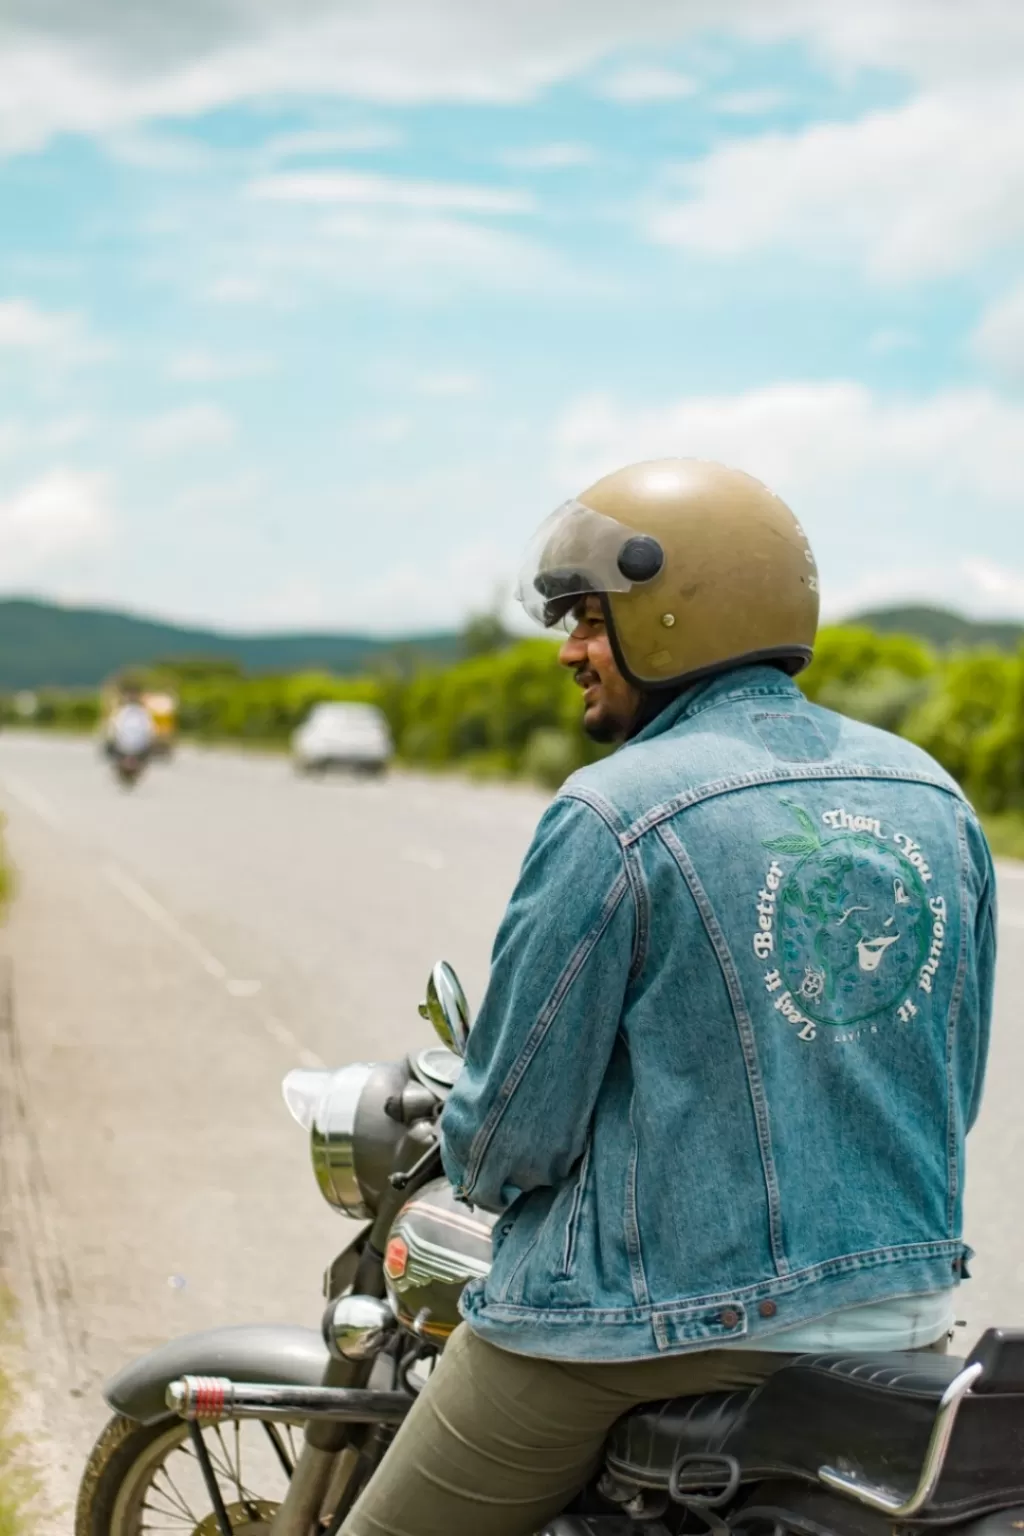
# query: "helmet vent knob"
{"points": [[641, 558]]}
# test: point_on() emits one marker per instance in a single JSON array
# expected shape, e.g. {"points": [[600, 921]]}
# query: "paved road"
{"points": [[174, 951]]}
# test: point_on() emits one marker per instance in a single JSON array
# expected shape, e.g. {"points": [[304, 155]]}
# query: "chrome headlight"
{"points": [[353, 1142]]}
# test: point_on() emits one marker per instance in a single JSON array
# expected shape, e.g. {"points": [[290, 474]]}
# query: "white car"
{"points": [[352, 736]]}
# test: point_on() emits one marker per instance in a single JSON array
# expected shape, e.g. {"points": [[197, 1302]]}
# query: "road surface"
{"points": [[173, 951]]}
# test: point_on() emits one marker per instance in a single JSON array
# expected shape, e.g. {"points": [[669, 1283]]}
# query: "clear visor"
{"points": [[573, 552]]}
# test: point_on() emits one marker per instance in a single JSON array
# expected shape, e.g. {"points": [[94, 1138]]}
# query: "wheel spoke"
{"points": [[234, 1468], [287, 1464], [166, 1503], [174, 1497]]}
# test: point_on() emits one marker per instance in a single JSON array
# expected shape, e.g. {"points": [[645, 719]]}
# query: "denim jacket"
{"points": [[734, 1035]]}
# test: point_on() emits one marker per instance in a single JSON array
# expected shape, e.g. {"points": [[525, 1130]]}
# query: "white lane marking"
{"points": [[1009, 871], [33, 801], [1011, 919], [146, 903], [281, 1033], [425, 856], [243, 988], [140, 898]]}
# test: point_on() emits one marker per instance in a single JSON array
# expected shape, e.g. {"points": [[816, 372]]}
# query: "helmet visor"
{"points": [[574, 552]]}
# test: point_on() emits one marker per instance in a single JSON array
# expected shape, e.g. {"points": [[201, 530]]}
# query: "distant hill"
{"points": [[47, 645], [941, 628]]}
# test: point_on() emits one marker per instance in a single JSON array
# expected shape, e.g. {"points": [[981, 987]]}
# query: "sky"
{"points": [[311, 310]]}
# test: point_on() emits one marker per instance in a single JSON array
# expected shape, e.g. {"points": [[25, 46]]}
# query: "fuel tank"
{"points": [[435, 1245]]}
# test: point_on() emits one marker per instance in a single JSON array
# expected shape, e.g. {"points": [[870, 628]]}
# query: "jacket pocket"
{"points": [[575, 1212]]}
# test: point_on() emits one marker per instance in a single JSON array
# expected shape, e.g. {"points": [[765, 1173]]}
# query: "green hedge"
{"points": [[514, 711]]}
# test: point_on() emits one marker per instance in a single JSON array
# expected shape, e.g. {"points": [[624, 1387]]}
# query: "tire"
{"points": [[122, 1472]]}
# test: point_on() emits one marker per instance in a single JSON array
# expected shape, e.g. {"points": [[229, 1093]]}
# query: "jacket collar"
{"points": [[739, 683]]}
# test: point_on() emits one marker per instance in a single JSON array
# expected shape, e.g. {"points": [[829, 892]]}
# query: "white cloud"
{"points": [[357, 189], [26, 327], [892, 491], [312, 142], [202, 425], [235, 289], [46, 338], [976, 588], [87, 66], [18, 436], [998, 340], [750, 103], [381, 430], [647, 83], [919, 190], [560, 156], [59, 514], [169, 154], [1001, 585], [219, 496], [408, 253], [435, 594], [449, 385], [201, 367]]}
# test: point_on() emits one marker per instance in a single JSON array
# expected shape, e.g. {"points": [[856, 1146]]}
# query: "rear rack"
{"points": [[887, 1500]]}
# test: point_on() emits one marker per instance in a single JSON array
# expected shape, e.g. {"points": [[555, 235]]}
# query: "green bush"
{"points": [[510, 709]]}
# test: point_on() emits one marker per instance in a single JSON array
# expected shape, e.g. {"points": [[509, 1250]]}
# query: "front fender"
{"points": [[256, 1352]]}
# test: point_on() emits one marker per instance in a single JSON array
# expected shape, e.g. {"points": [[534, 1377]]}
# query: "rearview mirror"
{"points": [[446, 1008]]}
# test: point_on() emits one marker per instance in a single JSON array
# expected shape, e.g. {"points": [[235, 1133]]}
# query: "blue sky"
{"points": [[309, 313]]}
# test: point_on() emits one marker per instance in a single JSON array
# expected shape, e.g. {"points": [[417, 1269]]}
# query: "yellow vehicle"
{"points": [[163, 710]]}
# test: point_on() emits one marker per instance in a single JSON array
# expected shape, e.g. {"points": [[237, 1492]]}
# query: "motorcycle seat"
{"points": [[871, 1415]]}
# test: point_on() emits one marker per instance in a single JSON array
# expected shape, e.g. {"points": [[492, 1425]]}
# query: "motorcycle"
{"points": [[127, 766], [275, 1431]]}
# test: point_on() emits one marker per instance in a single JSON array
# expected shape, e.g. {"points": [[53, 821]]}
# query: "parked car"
{"points": [[353, 736]]}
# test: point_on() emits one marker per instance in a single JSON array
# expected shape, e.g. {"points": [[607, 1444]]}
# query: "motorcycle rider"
{"points": [[736, 1026], [131, 732]]}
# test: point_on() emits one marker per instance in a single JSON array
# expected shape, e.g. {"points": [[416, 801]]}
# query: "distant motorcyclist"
{"points": [[736, 1027], [131, 732]]}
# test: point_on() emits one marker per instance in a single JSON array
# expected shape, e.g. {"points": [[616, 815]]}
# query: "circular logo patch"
{"points": [[853, 930]]}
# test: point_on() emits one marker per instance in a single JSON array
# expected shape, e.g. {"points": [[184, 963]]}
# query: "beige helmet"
{"points": [[701, 568]]}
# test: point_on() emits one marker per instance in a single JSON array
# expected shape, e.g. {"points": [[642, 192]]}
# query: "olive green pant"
{"points": [[496, 1443]]}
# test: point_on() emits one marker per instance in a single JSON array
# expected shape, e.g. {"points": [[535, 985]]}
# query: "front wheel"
{"points": [[145, 1478]]}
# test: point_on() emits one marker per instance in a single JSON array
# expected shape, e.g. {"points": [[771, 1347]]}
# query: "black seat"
{"points": [[869, 1414]]}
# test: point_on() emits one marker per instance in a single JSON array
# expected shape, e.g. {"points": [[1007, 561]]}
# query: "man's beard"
{"points": [[604, 729]]}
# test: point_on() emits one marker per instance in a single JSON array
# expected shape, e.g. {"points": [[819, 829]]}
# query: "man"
{"points": [[131, 731], [736, 1026]]}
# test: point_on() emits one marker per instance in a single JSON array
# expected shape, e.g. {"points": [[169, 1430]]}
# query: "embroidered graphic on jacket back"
{"points": [[851, 931]]}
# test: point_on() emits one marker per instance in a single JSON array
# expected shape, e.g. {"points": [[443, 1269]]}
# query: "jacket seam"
{"points": [[755, 691], [537, 1034], [782, 1285], [631, 1224], [517, 1269], [952, 1025], [812, 771], [575, 1211], [597, 803], [748, 1042], [631, 865]]}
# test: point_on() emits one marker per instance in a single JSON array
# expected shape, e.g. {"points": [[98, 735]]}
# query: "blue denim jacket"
{"points": [[734, 1036]]}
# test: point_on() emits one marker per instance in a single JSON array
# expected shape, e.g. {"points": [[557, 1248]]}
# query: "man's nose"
{"points": [[572, 651]]}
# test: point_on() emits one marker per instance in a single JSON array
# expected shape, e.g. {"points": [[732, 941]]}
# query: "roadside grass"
{"points": [[21, 1491]]}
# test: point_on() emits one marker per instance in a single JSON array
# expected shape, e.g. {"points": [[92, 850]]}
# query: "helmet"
{"points": [[700, 568]]}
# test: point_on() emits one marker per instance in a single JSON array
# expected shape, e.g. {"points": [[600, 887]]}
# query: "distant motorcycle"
{"points": [[128, 767], [274, 1431]]}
